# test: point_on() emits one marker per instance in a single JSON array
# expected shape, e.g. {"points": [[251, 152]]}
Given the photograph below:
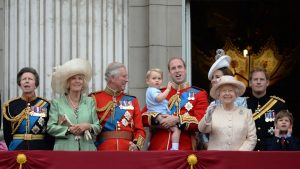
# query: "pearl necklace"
{"points": [[73, 105]]}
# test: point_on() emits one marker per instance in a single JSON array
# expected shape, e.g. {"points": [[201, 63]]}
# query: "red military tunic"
{"points": [[192, 103], [120, 117]]}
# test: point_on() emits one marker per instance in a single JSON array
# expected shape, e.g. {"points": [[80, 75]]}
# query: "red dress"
{"points": [[120, 117], [192, 103]]}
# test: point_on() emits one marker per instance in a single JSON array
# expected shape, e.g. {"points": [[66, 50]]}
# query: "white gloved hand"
{"points": [[209, 111], [87, 135]]}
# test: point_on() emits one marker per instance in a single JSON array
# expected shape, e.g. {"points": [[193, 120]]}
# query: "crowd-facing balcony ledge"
{"points": [[149, 159]]}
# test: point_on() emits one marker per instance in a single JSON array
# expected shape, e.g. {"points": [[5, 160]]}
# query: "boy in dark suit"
{"points": [[283, 139]]}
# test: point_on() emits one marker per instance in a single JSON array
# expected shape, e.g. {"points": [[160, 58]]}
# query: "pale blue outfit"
{"points": [[153, 105], [239, 102]]}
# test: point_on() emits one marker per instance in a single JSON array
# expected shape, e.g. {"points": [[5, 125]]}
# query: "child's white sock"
{"points": [[175, 146]]}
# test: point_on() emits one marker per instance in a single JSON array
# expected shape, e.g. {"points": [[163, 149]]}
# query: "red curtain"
{"points": [[150, 159]]}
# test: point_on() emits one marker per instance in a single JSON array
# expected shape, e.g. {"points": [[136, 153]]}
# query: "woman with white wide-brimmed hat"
{"points": [[73, 119], [230, 127], [221, 68]]}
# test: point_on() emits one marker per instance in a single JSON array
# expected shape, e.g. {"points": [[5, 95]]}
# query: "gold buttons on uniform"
{"points": [[258, 139]]}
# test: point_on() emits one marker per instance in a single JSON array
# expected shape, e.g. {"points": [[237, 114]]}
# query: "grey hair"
{"points": [[236, 91], [113, 69]]}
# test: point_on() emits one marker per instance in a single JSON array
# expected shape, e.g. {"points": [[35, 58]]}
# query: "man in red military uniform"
{"points": [[187, 104], [119, 113]]}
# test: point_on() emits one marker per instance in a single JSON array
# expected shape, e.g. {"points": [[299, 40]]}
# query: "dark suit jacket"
{"points": [[283, 144]]}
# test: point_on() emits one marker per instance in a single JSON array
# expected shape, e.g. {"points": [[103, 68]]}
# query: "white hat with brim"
{"points": [[223, 61], [70, 68], [226, 79]]}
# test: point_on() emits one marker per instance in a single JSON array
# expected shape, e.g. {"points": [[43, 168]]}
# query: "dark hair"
{"points": [[30, 70], [174, 58], [226, 71], [259, 69], [284, 113]]}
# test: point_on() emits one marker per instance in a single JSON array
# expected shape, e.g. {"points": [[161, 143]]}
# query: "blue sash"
{"points": [[22, 128], [111, 123], [184, 99]]}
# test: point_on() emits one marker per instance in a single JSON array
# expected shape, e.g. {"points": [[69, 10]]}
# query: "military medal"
{"points": [[122, 106], [267, 117], [124, 122], [44, 112], [130, 106], [272, 113], [37, 111], [270, 116], [191, 95], [188, 106], [127, 115], [125, 104]]}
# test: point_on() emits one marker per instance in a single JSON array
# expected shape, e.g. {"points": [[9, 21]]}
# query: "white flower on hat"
{"points": [[222, 60], [219, 53]]}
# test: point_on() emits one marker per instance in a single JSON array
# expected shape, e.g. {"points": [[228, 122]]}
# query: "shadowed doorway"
{"points": [[249, 24]]}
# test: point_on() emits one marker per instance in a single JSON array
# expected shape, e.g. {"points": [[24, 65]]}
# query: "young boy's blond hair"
{"points": [[154, 70]]}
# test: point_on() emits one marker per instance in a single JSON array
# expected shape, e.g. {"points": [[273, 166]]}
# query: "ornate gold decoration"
{"points": [[17, 120], [140, 142], [150, 115], [267, 57], [258, 113]]}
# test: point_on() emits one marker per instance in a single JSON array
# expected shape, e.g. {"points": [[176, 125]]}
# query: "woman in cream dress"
{"points": [[230, 127]]}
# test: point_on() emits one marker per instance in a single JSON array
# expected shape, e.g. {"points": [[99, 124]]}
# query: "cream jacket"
{"points": [[230, 130]]}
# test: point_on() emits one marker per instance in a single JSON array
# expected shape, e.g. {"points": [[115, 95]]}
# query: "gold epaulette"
{"points": [[278, 98], [15, 120], [6, 104], [11, 100]]}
